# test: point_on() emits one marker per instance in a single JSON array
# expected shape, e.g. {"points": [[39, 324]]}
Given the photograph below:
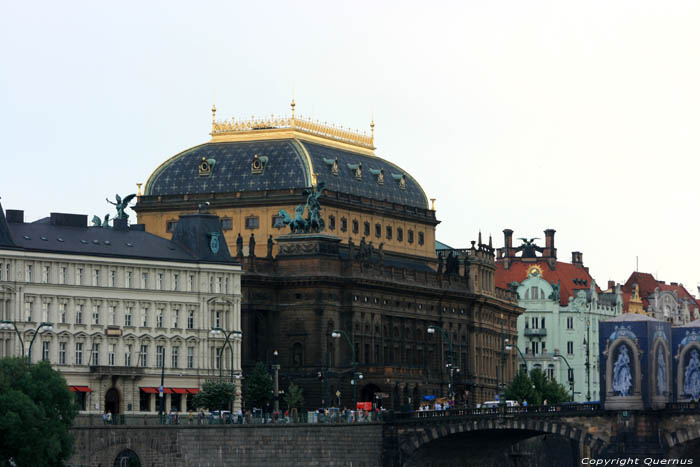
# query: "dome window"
{"points": [[400, 179], [379, 173], [356, 169], [258, 164], [206, 166], [333, 165]]}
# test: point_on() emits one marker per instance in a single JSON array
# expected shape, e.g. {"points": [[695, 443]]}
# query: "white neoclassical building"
{"points": [[125, 307]]}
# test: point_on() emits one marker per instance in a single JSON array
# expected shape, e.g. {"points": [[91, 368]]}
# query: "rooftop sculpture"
{"points": [[312, 222]]}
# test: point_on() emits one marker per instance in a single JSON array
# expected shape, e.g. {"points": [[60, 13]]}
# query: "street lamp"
{"points": [[276, 388], [587, 344], [450, 364], [502, 385], [215, 331], [7, 324], [335, 334], [571, 380], [511, 347]]}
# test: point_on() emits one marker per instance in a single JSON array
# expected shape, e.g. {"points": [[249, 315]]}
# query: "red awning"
{"points": [[150, 390], [80, 389], [72, 389], [193, 390], [167, 391], [179, 390]]}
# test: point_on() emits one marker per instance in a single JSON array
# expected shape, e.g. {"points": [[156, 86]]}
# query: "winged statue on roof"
{"points": [[121, 205]]}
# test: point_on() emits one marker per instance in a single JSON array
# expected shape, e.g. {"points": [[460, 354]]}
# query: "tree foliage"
{"points": [[215, 395], [294, 397], [36, 412], [259, 387], [535, 388]]}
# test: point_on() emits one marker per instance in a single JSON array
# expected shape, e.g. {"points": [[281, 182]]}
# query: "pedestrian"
{"points": [[525, 403]]}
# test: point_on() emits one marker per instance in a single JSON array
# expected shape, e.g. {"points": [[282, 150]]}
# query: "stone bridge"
{"points": [[457, 437]]}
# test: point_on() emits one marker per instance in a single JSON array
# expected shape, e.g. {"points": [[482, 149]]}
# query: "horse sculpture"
{"points": [[313, 221], [296, 224]]}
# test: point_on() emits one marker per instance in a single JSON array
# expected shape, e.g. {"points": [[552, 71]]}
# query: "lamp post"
{"points": [[511, 346], [503, 367], [587, 344], [335, 334], [7, 324], [450, 364], [216, 331], [276, 387], [571, 380]]}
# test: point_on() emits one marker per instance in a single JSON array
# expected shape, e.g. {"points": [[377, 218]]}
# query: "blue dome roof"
{"points": [[283, 164]]}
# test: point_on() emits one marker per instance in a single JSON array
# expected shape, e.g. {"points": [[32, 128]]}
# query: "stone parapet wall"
{"points": [[249, 446]]}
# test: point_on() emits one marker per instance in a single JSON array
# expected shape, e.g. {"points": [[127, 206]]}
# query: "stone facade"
{"points": [[247, 445], [117, 317]]}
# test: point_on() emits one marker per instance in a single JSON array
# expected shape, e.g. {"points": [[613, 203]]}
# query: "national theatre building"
{"points": [[338, 252]]}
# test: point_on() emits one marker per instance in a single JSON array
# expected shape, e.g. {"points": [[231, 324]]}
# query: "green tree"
{"points": [[215, 395], [521, 389], [535, 388], [548, 389], [36, 412], [259, 386], [294, 397]]}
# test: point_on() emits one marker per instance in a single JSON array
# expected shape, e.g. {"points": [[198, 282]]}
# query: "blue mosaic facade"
{"points": [[635, 362]]}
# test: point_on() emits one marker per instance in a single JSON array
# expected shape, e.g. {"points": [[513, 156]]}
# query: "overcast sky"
{"points": [[577, 116]]}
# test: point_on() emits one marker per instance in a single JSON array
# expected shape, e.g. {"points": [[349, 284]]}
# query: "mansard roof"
{"points": [[288, 163], [571, 277], [69, 234]]}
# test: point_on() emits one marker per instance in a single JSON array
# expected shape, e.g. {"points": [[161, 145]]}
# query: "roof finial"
{"points": [[139, 186], [479, 237], [433, 203], [490, 242], [371, 125], [213, 116]]}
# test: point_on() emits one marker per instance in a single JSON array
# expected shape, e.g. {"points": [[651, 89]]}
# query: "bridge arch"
{"points": [[422, 434]]}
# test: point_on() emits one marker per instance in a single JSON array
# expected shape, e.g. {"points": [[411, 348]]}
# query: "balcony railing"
{"points": [[529, 332], [117, 370]]}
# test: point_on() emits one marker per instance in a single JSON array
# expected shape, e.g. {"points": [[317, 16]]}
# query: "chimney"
{"points": [[549, 250], [68, 220], [611, 285], [577, 258], [15, 216], [508, 241]]}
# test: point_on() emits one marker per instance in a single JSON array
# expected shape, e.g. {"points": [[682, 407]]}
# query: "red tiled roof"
{"points": [[564, 272], [647, 284]]}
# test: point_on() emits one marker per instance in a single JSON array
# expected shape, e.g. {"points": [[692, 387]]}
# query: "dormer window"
{"points": [[258, 164], [206, 166]]}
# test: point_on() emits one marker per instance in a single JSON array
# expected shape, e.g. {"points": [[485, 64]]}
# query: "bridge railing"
{"points": [[197, 419], [542, 410]]}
